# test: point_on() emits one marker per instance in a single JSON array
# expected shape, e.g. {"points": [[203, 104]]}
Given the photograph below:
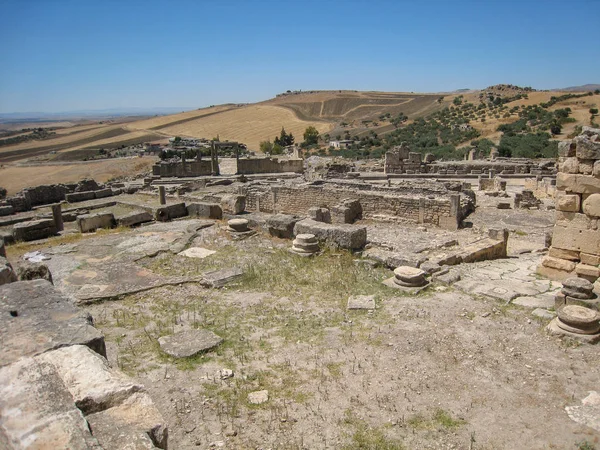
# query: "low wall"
{"points": [[182, 169], [247, 166], [443, 211]]}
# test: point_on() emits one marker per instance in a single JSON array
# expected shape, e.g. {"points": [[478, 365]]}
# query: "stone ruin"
{"points": [[575, 247]]}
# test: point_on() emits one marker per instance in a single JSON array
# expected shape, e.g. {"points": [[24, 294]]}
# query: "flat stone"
{"points": [[539, 301], [197, 252], [221, 277], [135, 424], [189, 343], [87, 376], [430, 267], [447, 277], [35, 318], [588, 413], [134, 218], [543, 314], [37, 410], [258, 397], [361, 302]]}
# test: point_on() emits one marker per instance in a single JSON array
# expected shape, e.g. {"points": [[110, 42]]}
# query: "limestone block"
{"points": [[37, 410], [80, 196], [568, 202], [586, 166], [566, 149], [558, 264], [570, 255], [128, 422], [575, 221], [348, 236], [320, 214], [7, 274], [591, 205], [282, 225], [589, 259], [596, 169], [103, 193], [184, 344], [586, 148], [134, 218], [233, 204], [35, 318], [569, 165], [587, 271], [205, 210], [587, 241], [91, 222], [580, 184], [92, 383], [170, 212], [6, 210], [34, 229]]}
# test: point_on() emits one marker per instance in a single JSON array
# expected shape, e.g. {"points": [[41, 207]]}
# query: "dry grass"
{"points": [[249, 124], [15, 178]]}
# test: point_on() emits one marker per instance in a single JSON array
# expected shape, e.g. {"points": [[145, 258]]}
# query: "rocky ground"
{"points": [[466, 366]]}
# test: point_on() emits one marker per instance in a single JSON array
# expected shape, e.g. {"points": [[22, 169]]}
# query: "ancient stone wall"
{"points": [[575, 249], [269, 165], [182, 169], [444, 210]]}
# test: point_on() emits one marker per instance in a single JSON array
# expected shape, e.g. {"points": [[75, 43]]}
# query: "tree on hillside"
{"points": [[311, 136], [266, 147], [284, 138]]}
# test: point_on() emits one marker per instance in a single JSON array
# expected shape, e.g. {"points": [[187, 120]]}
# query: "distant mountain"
{"points": [[583, 88], [92, 113]]}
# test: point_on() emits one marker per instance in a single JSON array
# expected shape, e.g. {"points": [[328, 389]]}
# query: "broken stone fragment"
{"points": [[189, 343], [578, 288], [361, 302], [258, 397]]}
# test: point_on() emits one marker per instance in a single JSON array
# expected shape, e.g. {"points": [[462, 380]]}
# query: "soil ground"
{"points": [[454, 367]]}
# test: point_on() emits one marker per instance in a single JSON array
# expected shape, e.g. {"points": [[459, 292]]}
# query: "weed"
{"points": [[585, 445]]}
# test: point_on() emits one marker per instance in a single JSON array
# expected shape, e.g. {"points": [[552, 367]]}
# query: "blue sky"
{"points": [[74, 55]]}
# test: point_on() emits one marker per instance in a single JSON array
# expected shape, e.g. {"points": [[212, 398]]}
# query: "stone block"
{"points": [[7, 274], [233, 204], [6, 210], [579, 184], [282, 225], [170, 212], [320, 214], [35, 318], [347, 212], [134, 218], [587, 241], [568, 202], [93, 384], [27, 271], [569, 165], [91, 222], [596, 169], [347, 236], [80, 196], [205, 210], [586, 148], [33, 230], [586, 166], [587, 271], [575, 221], [590, 259], [591, 205], [37, 410], [558, 264], [103, 193], [130, 423], [566, 149], [570, 255]]}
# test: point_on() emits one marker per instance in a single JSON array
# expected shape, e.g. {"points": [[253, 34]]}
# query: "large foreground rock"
{"points": [[34, 229], [35, 318], [352, 237], [189, 343]]}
